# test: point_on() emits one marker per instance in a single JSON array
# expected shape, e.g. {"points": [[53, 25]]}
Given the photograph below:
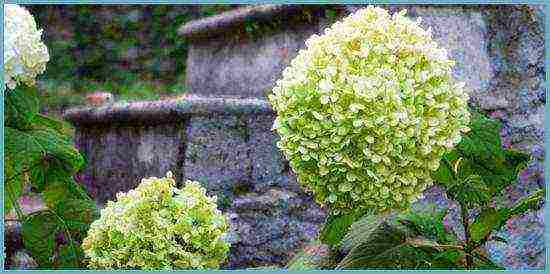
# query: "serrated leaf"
{"points": [[38, 175], [38, 232], [23, 152], [479, 168], [406, 240], [49, 170], [429, 224], [361, 230], [77, 214], [444, 175], [533, 201], [336, 227], [491, 219], [20, 106], [395, 247], [488, 220], [28, 147], [47, 122], [55, 192], [470, 191]]}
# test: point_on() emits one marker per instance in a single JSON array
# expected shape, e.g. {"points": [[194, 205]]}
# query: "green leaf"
{"points": [[336, 227], [23, 152], [405, 240], [470, 191], [483, 140], [444, 175], [28, 147], [38, 232], [491, 219], [533, 201], [50, 170], [391, 248], [393, 243], [62, 190], [67, 258], [20, 106], [429, 224], [39, 175], [77, 214], [13, 184], [57, 125], [479, 168], [488, 220], [361, 230]]}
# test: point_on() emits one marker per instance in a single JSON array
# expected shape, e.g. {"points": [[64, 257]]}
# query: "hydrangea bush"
{"points": [[158, 226], [25, 55], [366, 111]]}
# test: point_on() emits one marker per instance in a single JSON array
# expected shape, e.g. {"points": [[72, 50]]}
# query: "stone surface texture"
{"points": [[248, 64], [225, 141], [119, 156]]}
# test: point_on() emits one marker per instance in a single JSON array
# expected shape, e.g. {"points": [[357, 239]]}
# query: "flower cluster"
{"points": [[25, 56], [158, 226], [366, 111]]}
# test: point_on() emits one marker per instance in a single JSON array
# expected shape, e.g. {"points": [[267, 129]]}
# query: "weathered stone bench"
{"points": [[221, 134]]}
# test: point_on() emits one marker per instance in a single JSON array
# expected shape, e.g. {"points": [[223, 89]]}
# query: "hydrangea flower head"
{"points": [[25, 56], [366, 111], [158, 226]]}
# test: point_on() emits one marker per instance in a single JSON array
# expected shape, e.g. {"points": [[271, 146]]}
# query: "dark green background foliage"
{"points": [[132, 51]]}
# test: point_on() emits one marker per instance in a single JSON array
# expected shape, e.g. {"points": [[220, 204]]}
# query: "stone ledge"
{"points": [[218, 23], [165, 111]]}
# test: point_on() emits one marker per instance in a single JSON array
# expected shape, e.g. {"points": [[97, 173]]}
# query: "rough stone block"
{"points": [[269, 166], [274, 223], [119, 157], [247, 66], [217, 154]]}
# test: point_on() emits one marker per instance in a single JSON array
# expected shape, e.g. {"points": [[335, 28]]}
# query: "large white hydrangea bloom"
{"points": [[25, 56], [366, 111]]}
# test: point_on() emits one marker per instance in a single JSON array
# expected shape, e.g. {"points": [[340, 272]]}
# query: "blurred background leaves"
{"points": [[132, 51]]}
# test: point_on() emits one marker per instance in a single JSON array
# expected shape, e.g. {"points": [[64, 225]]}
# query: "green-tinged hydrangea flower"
{"points": [[25, 56], [366, 111], [158, 226]]}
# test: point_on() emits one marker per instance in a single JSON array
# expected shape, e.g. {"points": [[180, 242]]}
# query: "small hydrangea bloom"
{"points": [[158, 226], [25, 55], [366, 111]]}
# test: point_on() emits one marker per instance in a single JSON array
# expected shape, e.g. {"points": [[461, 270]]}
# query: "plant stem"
{"points": [[68, 233], [466, 225]]}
